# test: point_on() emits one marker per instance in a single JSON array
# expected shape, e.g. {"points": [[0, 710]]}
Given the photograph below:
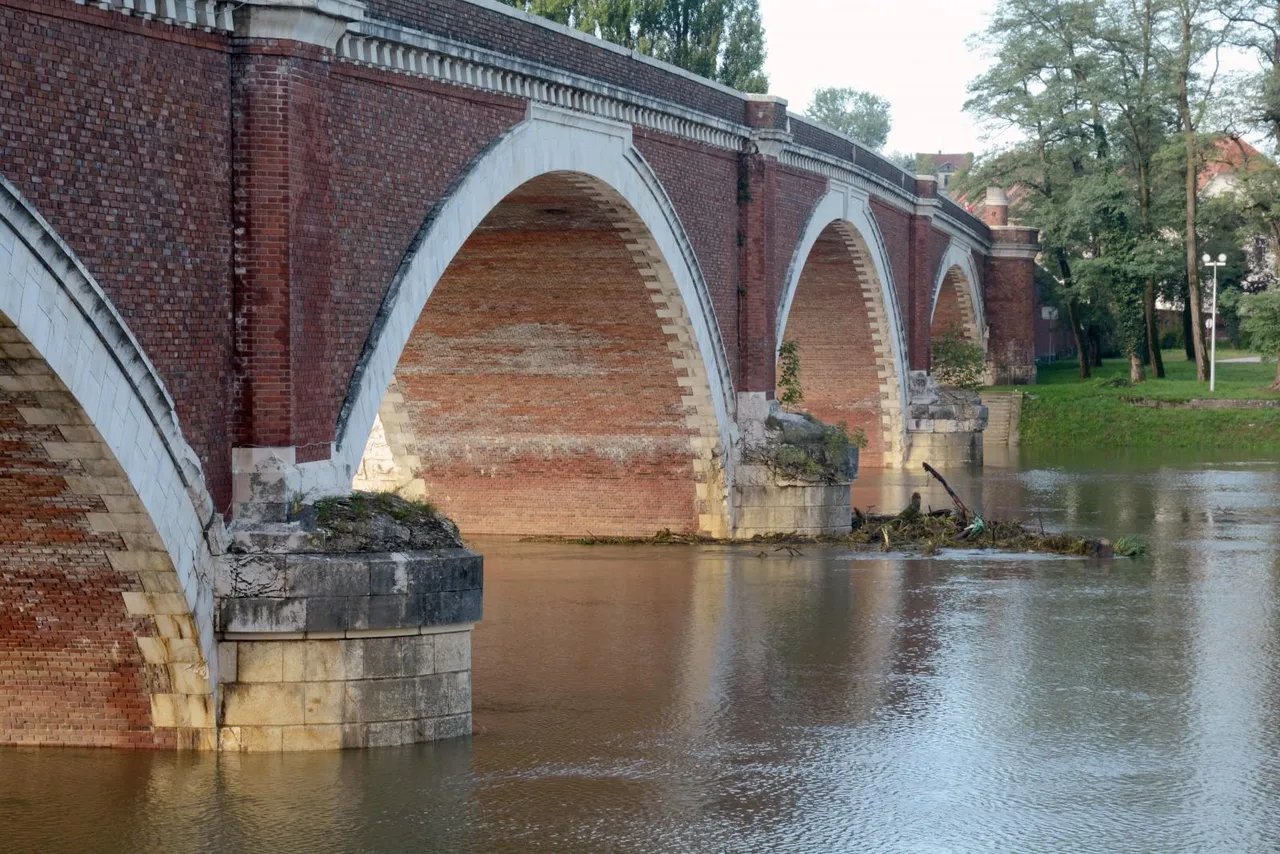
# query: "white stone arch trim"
{"points": [[552, 140], [850, 208], [960, 259], [61, 316]]}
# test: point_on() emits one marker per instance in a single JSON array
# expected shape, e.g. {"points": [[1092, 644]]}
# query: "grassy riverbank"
{"points": [[1062, 412]]}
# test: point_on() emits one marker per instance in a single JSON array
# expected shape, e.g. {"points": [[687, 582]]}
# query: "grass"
{"points": [[1062, 412]]}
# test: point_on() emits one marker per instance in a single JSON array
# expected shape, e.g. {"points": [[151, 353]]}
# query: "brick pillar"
{"points": [[757, 263], [283, 207], [1009, 294], [919, 308]]}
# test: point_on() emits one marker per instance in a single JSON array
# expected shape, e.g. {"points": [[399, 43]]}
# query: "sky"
{"points": [[911, 52]]}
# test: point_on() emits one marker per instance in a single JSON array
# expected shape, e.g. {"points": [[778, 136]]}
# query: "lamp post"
{"points": [[1213, 339]]}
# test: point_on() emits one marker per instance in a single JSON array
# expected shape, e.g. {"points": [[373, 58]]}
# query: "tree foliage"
{"points": [[1262, 323], [861, 115], [717, 39], [1115, 108]]}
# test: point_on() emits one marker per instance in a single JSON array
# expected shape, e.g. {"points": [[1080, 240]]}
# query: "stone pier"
{"points": [[946, 425]]}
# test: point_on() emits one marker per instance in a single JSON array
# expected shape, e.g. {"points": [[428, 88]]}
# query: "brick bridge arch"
{"points": [[549, 359], [107, 532], [852, 362], [957, 297]]}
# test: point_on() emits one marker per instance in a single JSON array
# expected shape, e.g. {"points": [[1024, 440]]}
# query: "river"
{"points": [[684, 699]]}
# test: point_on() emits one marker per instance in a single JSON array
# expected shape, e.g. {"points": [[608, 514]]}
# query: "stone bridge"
{"points": [[254, 253]]}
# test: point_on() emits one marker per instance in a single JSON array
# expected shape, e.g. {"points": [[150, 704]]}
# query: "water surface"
{"points": [[728, 699]]}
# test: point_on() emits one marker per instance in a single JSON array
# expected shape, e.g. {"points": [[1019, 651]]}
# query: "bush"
{"points": [[958, 362], [790, 394]]}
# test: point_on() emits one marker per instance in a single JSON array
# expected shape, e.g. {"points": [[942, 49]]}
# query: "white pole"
{"points": [[1213, 344]]}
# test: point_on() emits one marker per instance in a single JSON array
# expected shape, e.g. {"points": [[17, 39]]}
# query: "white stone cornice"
{"points": [[317, 22]]}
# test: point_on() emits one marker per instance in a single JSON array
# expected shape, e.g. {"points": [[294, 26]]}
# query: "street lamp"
{"points": [[1213, 339]]}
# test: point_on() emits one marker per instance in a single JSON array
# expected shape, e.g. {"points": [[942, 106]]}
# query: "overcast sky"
{"points": [[910, 51]]}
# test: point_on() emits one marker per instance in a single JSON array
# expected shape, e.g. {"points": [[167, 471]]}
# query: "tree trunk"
{"points": [[1193, 261], [1188, 346], [1136, 373], [1082, 346], [1276, 386], [1153, 330], [1095, 342]]}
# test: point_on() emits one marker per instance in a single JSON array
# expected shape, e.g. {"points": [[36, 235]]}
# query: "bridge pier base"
{"points": [[945, 425], [322, 651], [766, 500]]}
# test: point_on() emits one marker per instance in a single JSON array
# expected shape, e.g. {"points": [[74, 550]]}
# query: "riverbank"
{"points": [[1176, 413]]}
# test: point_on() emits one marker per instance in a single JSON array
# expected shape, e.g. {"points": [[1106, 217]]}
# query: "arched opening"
{"points": [[106, 528], [97, 645], [840, 323], [954, 312], [553, 383]]}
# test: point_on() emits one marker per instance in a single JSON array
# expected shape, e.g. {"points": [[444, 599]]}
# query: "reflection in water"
{"points": [[724, 699]]}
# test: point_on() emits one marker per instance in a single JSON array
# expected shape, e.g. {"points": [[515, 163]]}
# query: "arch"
{"points": [[598, 158], [104, 510], [844, 213], [957, 296]]}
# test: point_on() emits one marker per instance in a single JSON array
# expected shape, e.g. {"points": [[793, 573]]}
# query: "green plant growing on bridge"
{"points": [[957, 361], [790, 394], [808, 451]]}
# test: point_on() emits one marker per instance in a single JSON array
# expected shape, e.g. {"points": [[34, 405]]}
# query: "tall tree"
{"points": [[1199, 29], [742, 65], [1039, 87], [1139, 87], [861, 115]]}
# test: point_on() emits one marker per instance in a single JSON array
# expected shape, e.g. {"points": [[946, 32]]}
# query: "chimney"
{"points": [[997, 208]]}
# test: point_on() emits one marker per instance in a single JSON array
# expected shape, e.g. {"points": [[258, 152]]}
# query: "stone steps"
{"points": [[1004, 414]]}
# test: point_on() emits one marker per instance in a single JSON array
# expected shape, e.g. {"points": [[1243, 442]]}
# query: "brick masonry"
{"points": [[548, 385], [97, 645], [838, 320], [247, 208]]}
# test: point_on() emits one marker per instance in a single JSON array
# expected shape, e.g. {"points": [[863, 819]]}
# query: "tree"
{"points": [[742, 66], [1040, 87], [861, 115], [718, 39], [1198, 30], [1262, 323]]}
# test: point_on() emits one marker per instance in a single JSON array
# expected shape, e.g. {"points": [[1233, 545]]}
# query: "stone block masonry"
{"points": [[321, 652]]}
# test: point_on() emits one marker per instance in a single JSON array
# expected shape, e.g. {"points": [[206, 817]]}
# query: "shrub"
{"points": [[790, 394], [958, 362]]}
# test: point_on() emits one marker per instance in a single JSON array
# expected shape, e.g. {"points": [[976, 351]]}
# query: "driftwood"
{"points": [[964, 511]]}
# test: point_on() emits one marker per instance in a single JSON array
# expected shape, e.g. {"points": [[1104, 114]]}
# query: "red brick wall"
{"points": [[949, 313], [702, 183], [386, 181], [1009, 300], [895, 228], [118, 132], [70, 669], [539, 382], [829, 320]]}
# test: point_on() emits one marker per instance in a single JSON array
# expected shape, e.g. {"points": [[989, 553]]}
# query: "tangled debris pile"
{"points": [[912, 530]]}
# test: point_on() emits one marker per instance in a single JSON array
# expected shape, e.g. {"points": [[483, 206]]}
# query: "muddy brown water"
{"points": [[726, 699]]}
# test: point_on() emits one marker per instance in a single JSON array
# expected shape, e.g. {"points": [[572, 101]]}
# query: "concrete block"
{"points": [[330, 614], [293, 661], [392, 733], [325, 661], [228, 659], [251, 739], [263, 704], [452, 726], [384, 699], [261, 661], [310, 577], [264, 615], [324, 702], [453, 651], [312, 737], [403, 656]]}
